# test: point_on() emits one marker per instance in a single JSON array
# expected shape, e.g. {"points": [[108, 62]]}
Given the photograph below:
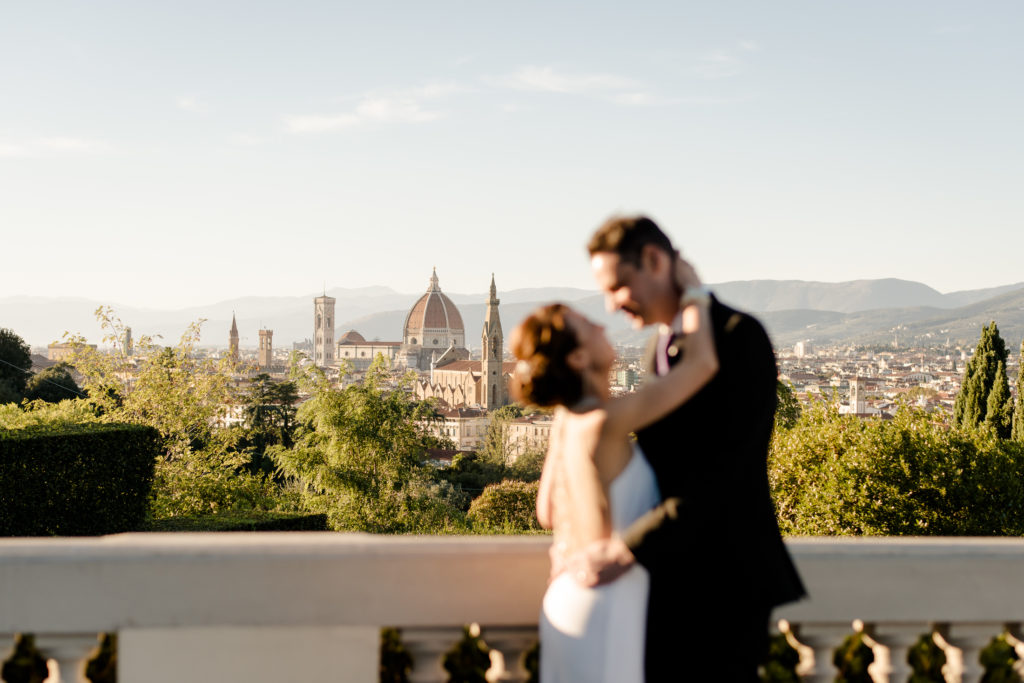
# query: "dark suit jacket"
{"points": [[713, 546]]}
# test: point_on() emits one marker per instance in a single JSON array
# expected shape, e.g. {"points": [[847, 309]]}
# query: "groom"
{"points": [[713, 548]]}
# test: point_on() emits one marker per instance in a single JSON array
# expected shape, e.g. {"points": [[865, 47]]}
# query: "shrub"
{"points": [[508, 506], [839, 475], [75, 480]]}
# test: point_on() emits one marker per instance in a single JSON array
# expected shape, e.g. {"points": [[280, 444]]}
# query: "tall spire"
{"points": [[233, 338], [494, 290]]}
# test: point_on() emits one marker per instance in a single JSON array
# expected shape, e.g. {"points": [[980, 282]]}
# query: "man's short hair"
{"points": [[627, 236]]}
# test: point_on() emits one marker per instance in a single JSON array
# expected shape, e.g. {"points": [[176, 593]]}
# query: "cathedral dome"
{"points": [[351, 337], [434, 321]]}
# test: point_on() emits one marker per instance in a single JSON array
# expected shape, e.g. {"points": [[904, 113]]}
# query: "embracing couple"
{"points": [[667, 558]]}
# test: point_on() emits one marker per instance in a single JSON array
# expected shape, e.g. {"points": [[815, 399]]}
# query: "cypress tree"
{"points": [[999, 408], [971, 405], [1018, 413]]}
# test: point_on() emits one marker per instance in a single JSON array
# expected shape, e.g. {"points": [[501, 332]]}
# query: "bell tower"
{"points": [[492, 376], [233, 339], [323, 330]]}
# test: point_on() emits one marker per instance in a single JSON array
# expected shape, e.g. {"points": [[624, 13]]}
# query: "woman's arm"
{"points": [[661, 395], [547, 478]]}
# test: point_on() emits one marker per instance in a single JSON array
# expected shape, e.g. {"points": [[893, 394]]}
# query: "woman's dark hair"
{"points": [[542, 343]]}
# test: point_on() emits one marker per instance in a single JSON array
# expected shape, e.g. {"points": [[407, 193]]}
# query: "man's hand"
{"points": [[600, 562]]}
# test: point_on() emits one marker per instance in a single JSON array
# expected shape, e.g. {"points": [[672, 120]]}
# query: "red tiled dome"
{"points": [[433, 311], [352, 337]]}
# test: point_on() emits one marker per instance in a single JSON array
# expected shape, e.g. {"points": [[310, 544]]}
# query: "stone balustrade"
{"points": [[308, 606]]}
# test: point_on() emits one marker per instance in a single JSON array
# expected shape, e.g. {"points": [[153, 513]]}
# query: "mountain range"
{"points": [[859, 311]]}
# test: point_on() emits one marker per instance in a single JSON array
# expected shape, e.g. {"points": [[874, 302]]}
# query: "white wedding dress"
{"points": [[596, 635]]}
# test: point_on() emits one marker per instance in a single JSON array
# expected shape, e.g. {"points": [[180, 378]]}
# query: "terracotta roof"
{"points": [[351, 337], [474, 366], [434, 310]]}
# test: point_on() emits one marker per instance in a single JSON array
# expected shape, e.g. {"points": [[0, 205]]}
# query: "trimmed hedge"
{"points": [[76, 480], [242, 521]]}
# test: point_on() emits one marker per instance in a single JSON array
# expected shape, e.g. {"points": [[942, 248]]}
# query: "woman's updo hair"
{"points": [[542, 343]]}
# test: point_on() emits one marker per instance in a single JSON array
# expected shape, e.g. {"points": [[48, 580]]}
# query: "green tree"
{"points": [[999, 407], [971, 406], [360, 458], [53, 385], [269, 410], [835, 474], [1018, 413], [183, 396], [506, 506], [788, 411], [15, 366], [495, 448]]}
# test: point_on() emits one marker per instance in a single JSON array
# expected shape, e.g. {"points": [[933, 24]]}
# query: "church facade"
{"points": [[434, 345]]}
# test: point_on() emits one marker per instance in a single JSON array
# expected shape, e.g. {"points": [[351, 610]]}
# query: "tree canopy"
{"points": [[15, 366], [980, 376]]}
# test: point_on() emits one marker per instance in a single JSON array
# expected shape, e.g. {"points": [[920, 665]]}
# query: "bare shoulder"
{"points": [[584, 429]]}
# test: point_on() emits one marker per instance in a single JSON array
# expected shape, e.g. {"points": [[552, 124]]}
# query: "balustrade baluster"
{"points": [[816, 643], [895, 639], [508, 645], [427, 646], [969, 640], [67, 655]]}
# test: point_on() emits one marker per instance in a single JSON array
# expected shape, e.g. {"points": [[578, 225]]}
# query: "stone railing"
{"points": [[309, 606]]}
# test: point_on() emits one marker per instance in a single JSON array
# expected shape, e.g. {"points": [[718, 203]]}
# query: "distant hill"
{"points": [[860, 311]]}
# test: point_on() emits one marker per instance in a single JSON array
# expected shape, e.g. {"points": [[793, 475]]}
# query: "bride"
{"points": [[595, 482]]}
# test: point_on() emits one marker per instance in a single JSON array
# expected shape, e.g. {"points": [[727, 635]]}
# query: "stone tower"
{"points": [[492, 377], [266, 355], [857, 403], [323, 330], [233, 339]]}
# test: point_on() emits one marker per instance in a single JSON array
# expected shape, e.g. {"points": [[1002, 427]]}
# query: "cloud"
{"points": [[190, 103], [718, 64], [393, 107], [547, 79], [51, 145]]}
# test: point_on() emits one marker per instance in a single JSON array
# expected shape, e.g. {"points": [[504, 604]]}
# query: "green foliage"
{"points": [[927, 659], [359, 458], [15, 366], [75, 480], [395, 660], [102, 668], [852, 659], [495, 448], [508, 506], [971, 404], [174, 390], [783, 658], [788, 411], [53, 385], [469, 659], [43, 414], [25, 665], [244, 520], [999, 659], [1017, 433], [269, 409], [839, 475], [999, 407]]}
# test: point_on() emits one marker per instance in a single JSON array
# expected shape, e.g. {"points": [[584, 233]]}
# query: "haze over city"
{"points": [[173, 155]]}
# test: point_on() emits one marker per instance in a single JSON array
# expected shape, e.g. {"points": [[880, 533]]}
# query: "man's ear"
{"points": [[655, 260]]}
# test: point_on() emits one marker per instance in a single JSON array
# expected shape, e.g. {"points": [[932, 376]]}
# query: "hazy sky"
{"points": [[179, 153]]}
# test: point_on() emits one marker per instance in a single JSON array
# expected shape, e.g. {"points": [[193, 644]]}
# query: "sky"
{"points": [[180, 153]]}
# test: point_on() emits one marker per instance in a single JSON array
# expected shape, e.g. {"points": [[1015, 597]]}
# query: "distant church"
{"points": [[433, 344]]}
